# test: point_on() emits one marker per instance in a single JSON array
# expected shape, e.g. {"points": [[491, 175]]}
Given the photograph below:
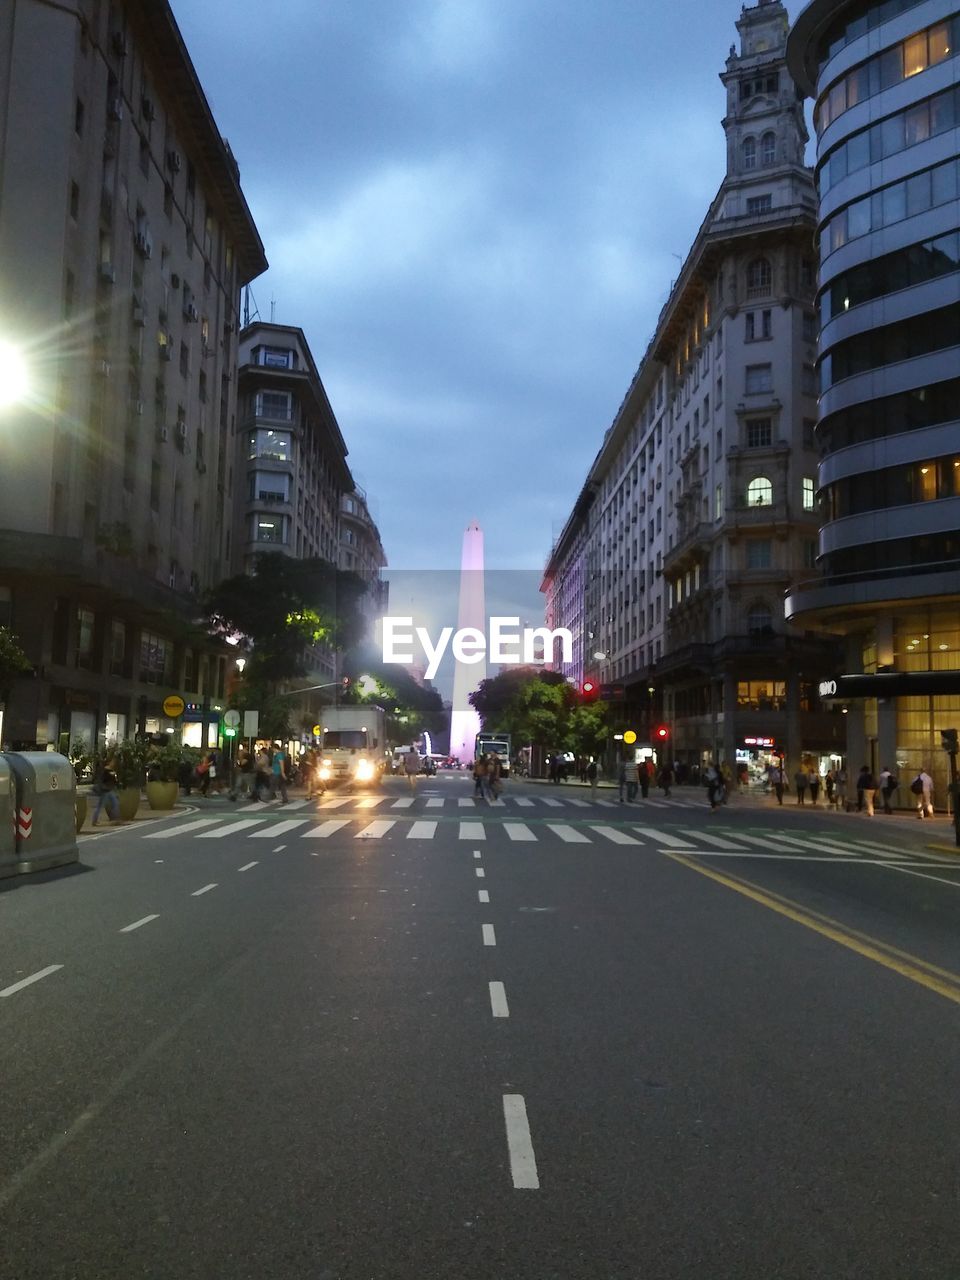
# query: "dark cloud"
{"points": [[471, 207]]}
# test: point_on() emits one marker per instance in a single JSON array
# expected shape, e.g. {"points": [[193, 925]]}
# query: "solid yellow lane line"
{"points": [[942, 981]]}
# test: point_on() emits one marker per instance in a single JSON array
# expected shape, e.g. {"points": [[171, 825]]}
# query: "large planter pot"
{"points": [[162, 795], [129, 803], [80, 804]]}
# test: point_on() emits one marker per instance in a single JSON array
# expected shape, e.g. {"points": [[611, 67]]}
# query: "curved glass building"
{"points": [[885, 79]]}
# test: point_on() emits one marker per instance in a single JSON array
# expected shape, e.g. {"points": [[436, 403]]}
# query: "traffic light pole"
{"points": [[950, 739]]}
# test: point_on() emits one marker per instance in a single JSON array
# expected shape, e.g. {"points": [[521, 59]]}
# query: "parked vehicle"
{"points": [[351, 745]]}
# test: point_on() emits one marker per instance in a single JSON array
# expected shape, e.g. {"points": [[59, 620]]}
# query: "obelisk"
{"points": [[464, 720]]}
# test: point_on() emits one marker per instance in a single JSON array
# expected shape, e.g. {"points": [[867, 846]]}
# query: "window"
{"points": [[749, 153], [759, 278], [759, 433], [271, 529], [759, 553], [274, 404], [808, 380], [768, 149], [759, 325], [269, 486], [759, 379], [809, 433], [809, 326], [153, 658], [809, 553], [277, 445], [762, 695], [118, 647], [809, 489], [760, 492], [276, 358], [718, 502], [759, 204], [759, 619], [86, 621]]}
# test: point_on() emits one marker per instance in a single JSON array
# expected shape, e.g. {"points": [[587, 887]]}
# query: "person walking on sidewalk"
{"points": [[105, 789], [867, 788], [778, 780], [813, 781], [715, 787], [592, 778], [888, 784], [644, 771], [924, 793], [800, 781], [633, 781]]}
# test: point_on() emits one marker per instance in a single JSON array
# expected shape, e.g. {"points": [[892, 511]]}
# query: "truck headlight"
{"points": [[364, 771], [325, 772]]}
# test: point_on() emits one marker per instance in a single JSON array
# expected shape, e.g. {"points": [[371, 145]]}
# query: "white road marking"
{"points": [[376, 829], [472, 831], [607, 804], [476, 853], [554, 804], [336, 802], [326, 828], [569, 834], [489, 937], [618, 837], [138, 923], [523, 802], [297, 804], [907, 871], [370, 802], [278, 829], [483, 895], [230, 830], [671, 842], [715, 842], [434, 804], [523, 1162], [280, 848], [26, 982], [466, 802], [248, 865], [498, 1000], [403, 803], [169, 833], [496, 804], [518, 831], [206, 889], [480, 873], [422, 831], [581, 804]]}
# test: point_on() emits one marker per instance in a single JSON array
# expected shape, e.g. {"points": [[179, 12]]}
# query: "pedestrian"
{"points": [[888, 784], [244, 766], [644, 771], [278, 770], [777, 780], [830, 789], [208, 769], [665, 781], [840, 779], [105, 789], [866, 789], [479, 777], [633, 781], [800, 782], [813, 781], [494, 775], [743, 777], [714, 782], [261, 775], [622, 781], [922, 788], [592, 778], [411, 766]]}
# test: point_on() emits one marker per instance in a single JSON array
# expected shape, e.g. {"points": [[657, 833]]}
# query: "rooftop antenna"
{"points": [[247, 314], [273, 310]]}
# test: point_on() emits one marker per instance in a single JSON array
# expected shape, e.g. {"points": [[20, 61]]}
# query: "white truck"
{"points": [[352, 744]]}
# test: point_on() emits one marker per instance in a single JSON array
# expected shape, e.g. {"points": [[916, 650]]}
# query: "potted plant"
{"points": [[81, 757], [128, 760], [163, 775]]}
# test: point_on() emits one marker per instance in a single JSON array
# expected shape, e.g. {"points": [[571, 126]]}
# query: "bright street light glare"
{"points": [[367, 685], [13, 374]]}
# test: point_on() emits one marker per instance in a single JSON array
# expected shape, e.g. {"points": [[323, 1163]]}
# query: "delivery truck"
{"points": [[352, 745]]}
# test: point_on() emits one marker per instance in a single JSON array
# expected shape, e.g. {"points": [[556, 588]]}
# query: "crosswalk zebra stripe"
{"points": [[554, 804], [662, 837], [615, 835], [326, 828], [607, 804], [523, 802], [518, 831], [581, 804], [181, 831], [335, 802], [434, 804], [472, 831], [570, 835], [370, 802], [422, 831], [376, 829], [716, 842], [297, 804], [466, 802], [404, 802], [278, 829], [231, 829]]}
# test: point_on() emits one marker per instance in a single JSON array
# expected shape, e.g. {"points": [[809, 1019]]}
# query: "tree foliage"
{"points": [[13, 661], [285, 609], [409, 706], [540, 707]]}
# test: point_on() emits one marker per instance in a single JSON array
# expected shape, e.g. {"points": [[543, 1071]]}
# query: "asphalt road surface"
{"points": [[398, 1037]]}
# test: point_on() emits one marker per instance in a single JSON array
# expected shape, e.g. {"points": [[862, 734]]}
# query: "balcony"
{"points": [[689, 548]]}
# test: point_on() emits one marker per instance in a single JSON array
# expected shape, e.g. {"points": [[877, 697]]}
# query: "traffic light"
{"points": [[589, 689], [346, 682], [661, 734], [948, 740]]}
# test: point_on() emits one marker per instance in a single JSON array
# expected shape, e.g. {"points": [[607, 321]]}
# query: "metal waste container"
{"points": [[46, 809], [8, 822]]}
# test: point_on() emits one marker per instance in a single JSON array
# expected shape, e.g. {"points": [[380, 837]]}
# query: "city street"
{"points": [[394, 1035]]}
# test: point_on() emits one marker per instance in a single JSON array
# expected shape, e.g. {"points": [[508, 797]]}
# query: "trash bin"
{"points": [[8, 822], [45, 809]]}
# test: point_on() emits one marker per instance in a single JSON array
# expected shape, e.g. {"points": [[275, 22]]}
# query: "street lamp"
{"points": [[14, 381], [240, 664]]}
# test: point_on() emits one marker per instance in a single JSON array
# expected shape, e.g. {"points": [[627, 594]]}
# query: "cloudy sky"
{"points": [[475, 209]]}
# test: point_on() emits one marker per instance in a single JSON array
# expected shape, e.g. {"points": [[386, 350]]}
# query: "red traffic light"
{"points": [[588, 686], [661, 733], [589, 690]]}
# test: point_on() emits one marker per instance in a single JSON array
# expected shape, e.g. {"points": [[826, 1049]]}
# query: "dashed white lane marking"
{"points": [[554, 804], [405, 802], [248, 865], [715, 842], [230, 830], [326, 828], [26, 982], [518, 831], [181, 830], [472, 831], [498, 1000], [376, 829], [664, 838], [489, 937], [523, 803], [466, 802], [137, 924], [206, 889], [480, 873], [434, 804], [523, 1162], [280, 848], [279, 829], [617, 837], [568, 834], [476, 853], [483, 895], [422, 831]]}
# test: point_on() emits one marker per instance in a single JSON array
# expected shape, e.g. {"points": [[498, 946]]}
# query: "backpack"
{"points": [[916, 786]]}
